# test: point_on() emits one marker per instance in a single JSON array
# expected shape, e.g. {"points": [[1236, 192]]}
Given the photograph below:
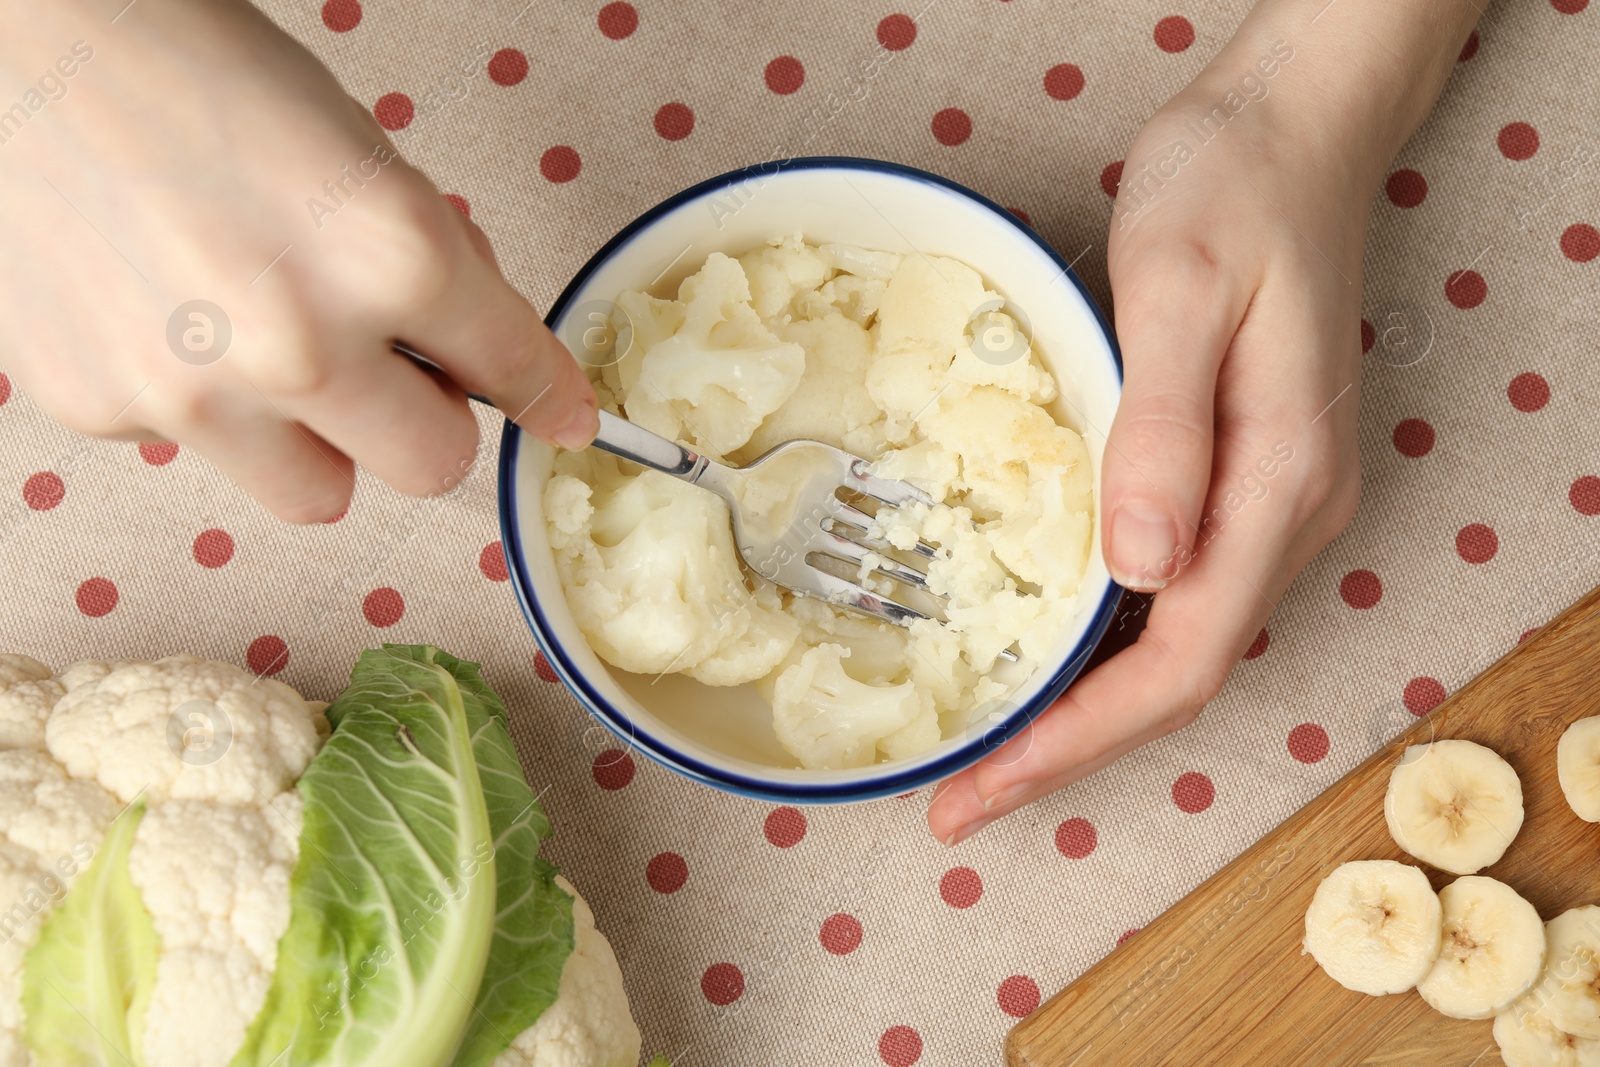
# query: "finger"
{"points": [[1197, 630], [491, 341], [1176, 313], [293, 472], [409, 427]]}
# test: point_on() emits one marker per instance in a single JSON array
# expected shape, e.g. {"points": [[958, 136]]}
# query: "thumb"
{"points": [[1175, 318]]}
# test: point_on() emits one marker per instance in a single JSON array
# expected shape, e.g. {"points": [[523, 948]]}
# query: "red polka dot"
{"points": [[1569, 7], [508, 66], [459, 203], [560, 164], [1018, 996], [1580, 243], [785, 827], [722, 984], [784, 75], [5, 388], [1110, 178], [1477, 543], [666, 872], [394, 111], [1361, 589], [336, 518], [1259, 645], [1465, 289], [158, 453], [44, 490], [900, 1046], [1174, 33], [1063, 81], [1308, 742], [1527, 634], [613, 769], [1076, 838], [1413, 437], [1369, 337], [267, 654], [214, 548], [1406, 188], [952, 126], [1469, 49], [618, 20], [961, 887], [492, 562], [1585, 495], [1193, 792], [1123, 937], [341, 16], [1021, 214], [841, 934], [542, 668], [383, 607], [97, 597], [897, 32], [1518, 140], [1422, 695], [1528, 392], [674, 121]]}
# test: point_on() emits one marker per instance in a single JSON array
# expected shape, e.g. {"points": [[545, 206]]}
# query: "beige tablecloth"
{"points": [[751, 934]]}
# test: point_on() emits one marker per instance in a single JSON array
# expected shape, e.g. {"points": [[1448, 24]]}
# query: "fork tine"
{"points": [[855, 552], [887, 490], [836, 590], [839, 511]]}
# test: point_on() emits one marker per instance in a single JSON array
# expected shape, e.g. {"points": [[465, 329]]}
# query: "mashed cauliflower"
{"points": [[872, 352]]}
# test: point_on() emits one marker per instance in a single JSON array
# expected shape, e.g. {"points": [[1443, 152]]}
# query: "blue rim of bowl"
{"points": [[893, 782]]}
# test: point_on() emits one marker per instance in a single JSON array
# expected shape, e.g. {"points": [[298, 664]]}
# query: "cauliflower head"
{"points": [[589, 1024], [214, 850]]}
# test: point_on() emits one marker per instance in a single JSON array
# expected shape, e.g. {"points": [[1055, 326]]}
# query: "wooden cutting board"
{"points": [[1220, 978]]}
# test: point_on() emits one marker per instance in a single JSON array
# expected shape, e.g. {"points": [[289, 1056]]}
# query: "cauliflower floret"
{"points": [[137, 727], [830, 404], [999, 438], [655, 579], [828, 720], [755, 651], [928, 304], [721, 373], [1011, 365], [589, 1025], [782, 272], [50, 826], [215, 879], [27, 693]]}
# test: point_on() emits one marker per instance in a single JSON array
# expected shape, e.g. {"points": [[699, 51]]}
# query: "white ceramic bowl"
{"points": [[724, 737]]}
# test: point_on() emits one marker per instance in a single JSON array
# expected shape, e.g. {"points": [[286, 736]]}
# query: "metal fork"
{"points": [[815, 525]]}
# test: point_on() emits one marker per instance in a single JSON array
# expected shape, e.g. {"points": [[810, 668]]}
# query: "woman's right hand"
{"points": [[168, 273]]}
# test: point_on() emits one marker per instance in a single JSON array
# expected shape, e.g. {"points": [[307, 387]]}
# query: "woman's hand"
{"points": [[1235, 262], [188, 151]]}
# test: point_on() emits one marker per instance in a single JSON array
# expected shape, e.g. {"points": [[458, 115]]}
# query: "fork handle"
{"points": [[633, 442]]}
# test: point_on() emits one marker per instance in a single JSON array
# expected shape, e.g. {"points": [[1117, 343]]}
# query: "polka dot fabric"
{"points": [[758, 933]]}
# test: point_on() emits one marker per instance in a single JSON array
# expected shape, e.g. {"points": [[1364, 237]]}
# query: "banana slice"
{"points": [[1492, 951], [1578, 767], [1527, 1039], [1569, 993], [1454, 804], [1374, 926]]}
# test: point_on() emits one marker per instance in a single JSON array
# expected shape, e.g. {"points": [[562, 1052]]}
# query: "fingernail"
{"points": [[1007, 796], [1144, 545], [580, 429], [967, 831]]}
